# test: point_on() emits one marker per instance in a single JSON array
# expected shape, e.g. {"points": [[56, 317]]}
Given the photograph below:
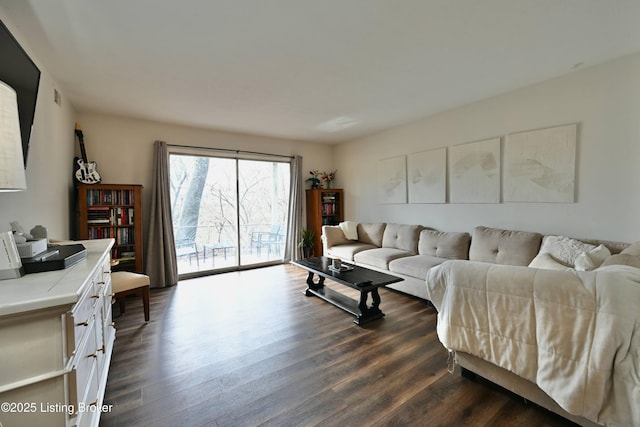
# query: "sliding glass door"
{"points": [[263, 201], [228, 213]]}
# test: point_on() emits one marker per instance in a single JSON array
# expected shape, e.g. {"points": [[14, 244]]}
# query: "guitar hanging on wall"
{"points": [[86, 172]]}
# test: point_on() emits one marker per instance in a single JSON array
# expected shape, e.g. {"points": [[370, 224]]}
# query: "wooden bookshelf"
{"points": [[113, 211], [324, 207]]}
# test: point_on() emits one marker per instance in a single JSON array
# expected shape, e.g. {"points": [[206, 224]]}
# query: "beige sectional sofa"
{"points": [[412, 252], [409, 251]]}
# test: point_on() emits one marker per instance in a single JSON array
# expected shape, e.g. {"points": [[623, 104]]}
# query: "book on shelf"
{"points": [[329, 209], [110, 197], [99, 221]]}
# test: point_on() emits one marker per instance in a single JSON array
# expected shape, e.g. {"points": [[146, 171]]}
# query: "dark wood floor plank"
{"points": [[250, 348]]}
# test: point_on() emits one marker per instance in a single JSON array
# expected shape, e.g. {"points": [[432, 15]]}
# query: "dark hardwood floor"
{"points": [[249, 348]]}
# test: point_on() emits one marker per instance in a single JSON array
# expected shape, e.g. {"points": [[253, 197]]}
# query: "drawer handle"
{"points": [[95, 296], [112, 294], [83, 323], [93, 354], [107, 272], [102, 349], [102, 283], [93, 403]]}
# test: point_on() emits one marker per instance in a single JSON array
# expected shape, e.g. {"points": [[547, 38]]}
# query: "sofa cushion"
{"points": [[415, 266], [401, 236], [545, 261], [506, 247], [347, 251], [614, 247], [350, 229], [591, 260], [333, 236], [379, 257], [564, 249], [371, 233], [634, 249], [622, 259], [444, 245]]}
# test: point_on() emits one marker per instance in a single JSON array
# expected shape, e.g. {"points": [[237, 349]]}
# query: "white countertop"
{"points": [[52, 288]]}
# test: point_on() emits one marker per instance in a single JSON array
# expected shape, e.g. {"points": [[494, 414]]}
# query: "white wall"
{"points": [[604, 99], [123, 148], [50, 163]]}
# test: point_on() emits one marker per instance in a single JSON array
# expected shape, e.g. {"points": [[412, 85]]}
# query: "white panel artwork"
{"points": [[427, 176], [392, 180], [475, 172], [540, 165]]}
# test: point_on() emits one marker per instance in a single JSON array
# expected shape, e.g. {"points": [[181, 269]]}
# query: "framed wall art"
{"points": [[540, 165], [392, 180], [474, 175], [427, 176]]}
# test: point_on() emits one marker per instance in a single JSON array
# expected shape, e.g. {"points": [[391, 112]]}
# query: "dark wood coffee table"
{"points": [[360, 278]]}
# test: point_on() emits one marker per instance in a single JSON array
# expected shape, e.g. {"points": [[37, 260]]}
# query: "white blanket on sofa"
{"points": [[575, 334]]}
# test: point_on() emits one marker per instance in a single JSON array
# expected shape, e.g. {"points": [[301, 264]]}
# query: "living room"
{"points": [[601, 95], [601, 98]]}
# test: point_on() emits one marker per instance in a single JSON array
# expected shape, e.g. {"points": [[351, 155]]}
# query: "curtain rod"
{"points": [[228, 150]]}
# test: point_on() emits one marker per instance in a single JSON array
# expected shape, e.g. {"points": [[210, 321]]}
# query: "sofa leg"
{"points": [[467, 374]]}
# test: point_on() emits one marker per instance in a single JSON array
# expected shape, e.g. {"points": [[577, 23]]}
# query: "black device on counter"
{"points": [[56, 257]]}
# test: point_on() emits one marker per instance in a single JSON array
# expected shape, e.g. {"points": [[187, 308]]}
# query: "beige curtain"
{"points": [[160, 261], [296, 196]]}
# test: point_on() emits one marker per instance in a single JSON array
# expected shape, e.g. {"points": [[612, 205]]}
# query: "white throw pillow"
{"points": [[350, 229], [591, 260], [546, 262], [564, 249]]}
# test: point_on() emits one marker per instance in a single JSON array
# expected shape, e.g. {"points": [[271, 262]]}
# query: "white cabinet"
{"points": [[56, 338]]}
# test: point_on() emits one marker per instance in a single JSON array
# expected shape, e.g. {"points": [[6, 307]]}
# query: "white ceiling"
{"points": [[314, 70]]}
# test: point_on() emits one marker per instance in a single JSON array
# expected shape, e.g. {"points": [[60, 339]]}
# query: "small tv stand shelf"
{"points": [[113, 211]]}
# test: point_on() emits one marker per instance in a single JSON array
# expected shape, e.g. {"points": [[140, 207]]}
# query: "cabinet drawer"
{"points": [[89, 302], [103, 277], [90, 400], [108, 337], [86, 359], [81, 317]]}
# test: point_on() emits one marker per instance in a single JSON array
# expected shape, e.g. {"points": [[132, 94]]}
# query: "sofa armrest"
{"points": [[332, 235]]}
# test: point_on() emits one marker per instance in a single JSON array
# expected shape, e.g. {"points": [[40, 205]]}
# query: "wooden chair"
{"points": [[126, 283]]}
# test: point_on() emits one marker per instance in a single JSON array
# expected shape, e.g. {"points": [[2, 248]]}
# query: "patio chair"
{"points": [[187, 248], [267, 239]]}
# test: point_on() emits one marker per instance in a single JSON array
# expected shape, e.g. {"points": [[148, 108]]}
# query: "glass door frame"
{"points": [[237, 156]]}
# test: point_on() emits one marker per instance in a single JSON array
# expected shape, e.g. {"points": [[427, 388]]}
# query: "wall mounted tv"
{"points": [[18, 71]]}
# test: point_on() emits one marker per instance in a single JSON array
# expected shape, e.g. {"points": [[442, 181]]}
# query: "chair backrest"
{"points": [[185, 243], [186, 247]]}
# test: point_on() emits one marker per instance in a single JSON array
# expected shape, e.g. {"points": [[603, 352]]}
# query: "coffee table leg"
{"points": [[369, 313], [376, 299], [313, 285]]}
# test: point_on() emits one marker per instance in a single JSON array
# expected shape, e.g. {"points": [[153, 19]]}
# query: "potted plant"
{"points": [[314, 179], [306, 242]]}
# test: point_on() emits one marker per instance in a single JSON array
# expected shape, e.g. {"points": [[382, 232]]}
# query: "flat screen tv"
{"points": [[18, 71]]}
